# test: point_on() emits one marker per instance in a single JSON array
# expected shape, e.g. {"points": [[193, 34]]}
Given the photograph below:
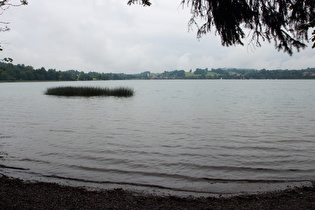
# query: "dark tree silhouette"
{"points": [[4, 5], [285, 22]]}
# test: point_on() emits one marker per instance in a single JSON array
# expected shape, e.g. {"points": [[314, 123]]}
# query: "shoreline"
{"points": [[19, 194]]}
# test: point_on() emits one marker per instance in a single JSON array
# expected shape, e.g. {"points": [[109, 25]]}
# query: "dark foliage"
{"points": [[4, 5], [20, 72], [232, 73], [143, 2], [284, 22], [10, 72]]}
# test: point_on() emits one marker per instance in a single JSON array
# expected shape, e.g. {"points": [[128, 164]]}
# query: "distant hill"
{"points": [[20, 72]]}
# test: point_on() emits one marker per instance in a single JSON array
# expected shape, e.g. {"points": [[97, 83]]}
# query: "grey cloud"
{"points": [[109, 36]]}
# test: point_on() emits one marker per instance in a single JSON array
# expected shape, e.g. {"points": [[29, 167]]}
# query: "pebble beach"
{"points": [[20, 194]]}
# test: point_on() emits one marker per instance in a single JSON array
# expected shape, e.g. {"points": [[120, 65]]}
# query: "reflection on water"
{"points": [[177, 135]]}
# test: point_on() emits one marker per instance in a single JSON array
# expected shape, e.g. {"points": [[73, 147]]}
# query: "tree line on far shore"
{"points": [[20, 72]]}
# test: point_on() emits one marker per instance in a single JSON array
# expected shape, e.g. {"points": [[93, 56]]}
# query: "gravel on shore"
{"points": [[19, 194]]}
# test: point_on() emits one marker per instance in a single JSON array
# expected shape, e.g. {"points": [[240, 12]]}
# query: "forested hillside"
{"points": [[20, 72]]}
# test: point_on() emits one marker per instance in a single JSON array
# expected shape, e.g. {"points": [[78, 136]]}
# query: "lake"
{"points": [[182, 137]]}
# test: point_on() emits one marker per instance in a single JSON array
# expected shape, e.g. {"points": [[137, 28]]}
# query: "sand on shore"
{"points": [[19, 194]]}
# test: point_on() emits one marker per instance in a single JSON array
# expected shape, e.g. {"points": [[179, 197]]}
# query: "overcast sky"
{"points": [[110, 36]]}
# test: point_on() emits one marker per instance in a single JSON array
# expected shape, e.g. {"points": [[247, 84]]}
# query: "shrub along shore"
{"points": [[89, 91], [19, 194]]}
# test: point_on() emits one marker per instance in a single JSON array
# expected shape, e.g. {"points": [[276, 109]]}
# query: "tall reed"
{"points": [[89, 91]]}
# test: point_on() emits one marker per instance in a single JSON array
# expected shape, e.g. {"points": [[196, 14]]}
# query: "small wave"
{"points": [[126, 151], [35, 161], [174, 189], [62, 130], [135, 185], [233, 168], [5, 137], [194, 179], [12, 167], [144, 173], [248, 148], [253, 180]]}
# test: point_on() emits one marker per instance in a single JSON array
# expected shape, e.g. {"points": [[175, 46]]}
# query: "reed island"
{"points": [[89, 91]]}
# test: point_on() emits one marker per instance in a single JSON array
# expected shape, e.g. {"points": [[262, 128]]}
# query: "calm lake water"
{"points": [[193, 137]]}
